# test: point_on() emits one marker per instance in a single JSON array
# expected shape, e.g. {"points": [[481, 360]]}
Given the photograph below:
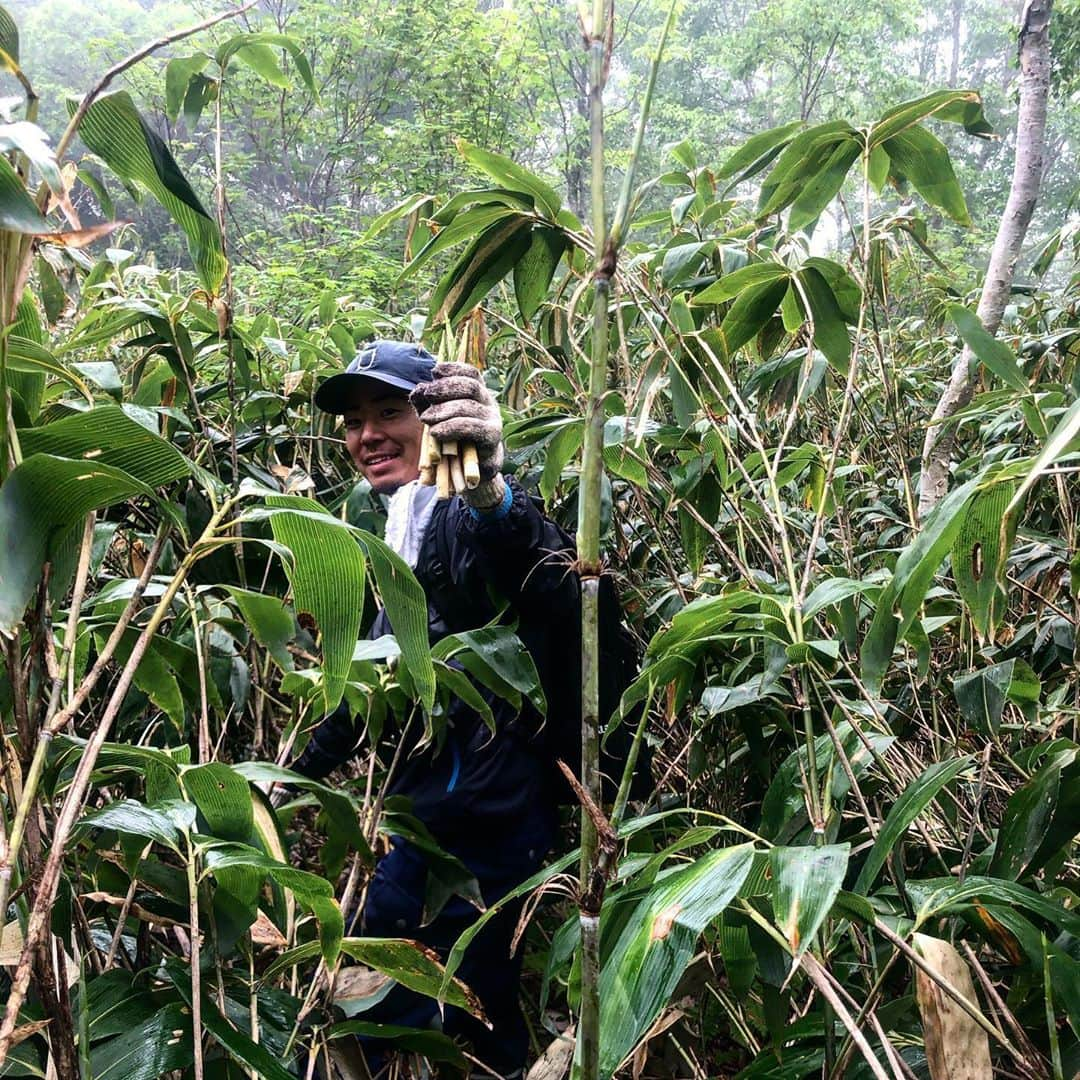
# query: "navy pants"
{"points": [[393, 909]]}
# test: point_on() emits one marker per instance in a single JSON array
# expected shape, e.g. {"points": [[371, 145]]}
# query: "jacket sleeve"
{"points": [[332, 743], [528, 558]]}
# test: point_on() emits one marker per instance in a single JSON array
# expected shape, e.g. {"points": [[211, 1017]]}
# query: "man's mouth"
{"points": [[378, 459]]}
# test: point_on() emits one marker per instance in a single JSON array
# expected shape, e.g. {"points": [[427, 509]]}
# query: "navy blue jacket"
{"points": [[476, 787]]}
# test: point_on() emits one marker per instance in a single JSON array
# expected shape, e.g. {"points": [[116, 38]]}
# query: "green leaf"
{"points": [[657, 942], [805, 882], [819, 190], [406, 608], [982, 694], [936, 896], [487, 260], [682, 261], [830, 329], [222, 797], [464, 226], [1057, 443], [447, 875], [752, 309], [994, 353], [408, 962], [757, 150], [256, 50], [980, 556], [510, 175], [107, 435], [132, 817], [738, 281], [263, 61], [314, 892], [535, 269], [114, 129], [923, 159], [433, 1045], [41, 499], [900, 600], [914, 799], [327, 577], [802, 159], [270, 620], [19, 212], [9, 41], [956, 106], [200, 92], [258, 1058], [496, 650], [339, 810], [178, 73], [832, 591], [1039, 819], [114, 1004], [458, 684], [53, 297], [564, 444], [148, 1051]]}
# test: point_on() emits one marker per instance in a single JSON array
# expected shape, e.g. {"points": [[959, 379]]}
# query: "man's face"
{"points": [[382, 434]]}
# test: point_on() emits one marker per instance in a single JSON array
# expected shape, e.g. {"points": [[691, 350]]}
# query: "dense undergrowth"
{"points": [[860, 854]]}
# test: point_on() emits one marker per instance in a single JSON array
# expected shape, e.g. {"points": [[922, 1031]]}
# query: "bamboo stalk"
{"points": [[605, 254]]}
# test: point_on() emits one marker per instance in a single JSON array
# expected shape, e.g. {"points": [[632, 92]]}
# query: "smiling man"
{"points": [[489, 799]]}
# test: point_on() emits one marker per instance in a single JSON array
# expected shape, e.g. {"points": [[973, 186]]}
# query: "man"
{"points": [[488, 799]]}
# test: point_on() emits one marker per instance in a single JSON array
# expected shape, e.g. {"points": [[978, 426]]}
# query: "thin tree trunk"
{"points": [[1034, 50], [954, 60]]}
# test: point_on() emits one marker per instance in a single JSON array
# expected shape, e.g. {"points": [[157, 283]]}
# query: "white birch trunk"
{"points": [[1034, 51]]}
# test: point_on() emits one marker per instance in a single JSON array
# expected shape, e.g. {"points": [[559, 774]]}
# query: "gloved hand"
{"points": [[457, 405]]}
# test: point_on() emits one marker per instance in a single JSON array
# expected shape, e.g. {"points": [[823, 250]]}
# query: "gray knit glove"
{"points": [[457, 405]]}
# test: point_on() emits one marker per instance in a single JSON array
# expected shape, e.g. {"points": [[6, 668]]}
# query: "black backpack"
{"points": [[557, 657]]}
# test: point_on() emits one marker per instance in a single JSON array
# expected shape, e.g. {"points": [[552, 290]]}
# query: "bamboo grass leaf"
{"points": [[487, 260], [657, 942], [406, 608], [270, 620], [148, 1051], [257, 51], [923, 159], [222, 797], [955, 106], [327, 577], [756, 153], [407, 962], [39, 501], [805, 883], [914, 800], [114, 129], [508, 174], [131, 816], [991, 351], [535, 269]]}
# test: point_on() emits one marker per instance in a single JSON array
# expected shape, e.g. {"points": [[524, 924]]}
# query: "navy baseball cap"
{"points": [[397, 363]]}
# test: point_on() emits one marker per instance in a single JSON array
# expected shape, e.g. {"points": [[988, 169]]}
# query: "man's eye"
{"points": [[389, 414]]}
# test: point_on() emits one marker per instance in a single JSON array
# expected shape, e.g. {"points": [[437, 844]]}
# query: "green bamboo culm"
{"points": [[595, 864]]}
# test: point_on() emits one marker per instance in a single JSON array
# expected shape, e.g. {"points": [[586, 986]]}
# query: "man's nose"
{"points": [[371, 432]]}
